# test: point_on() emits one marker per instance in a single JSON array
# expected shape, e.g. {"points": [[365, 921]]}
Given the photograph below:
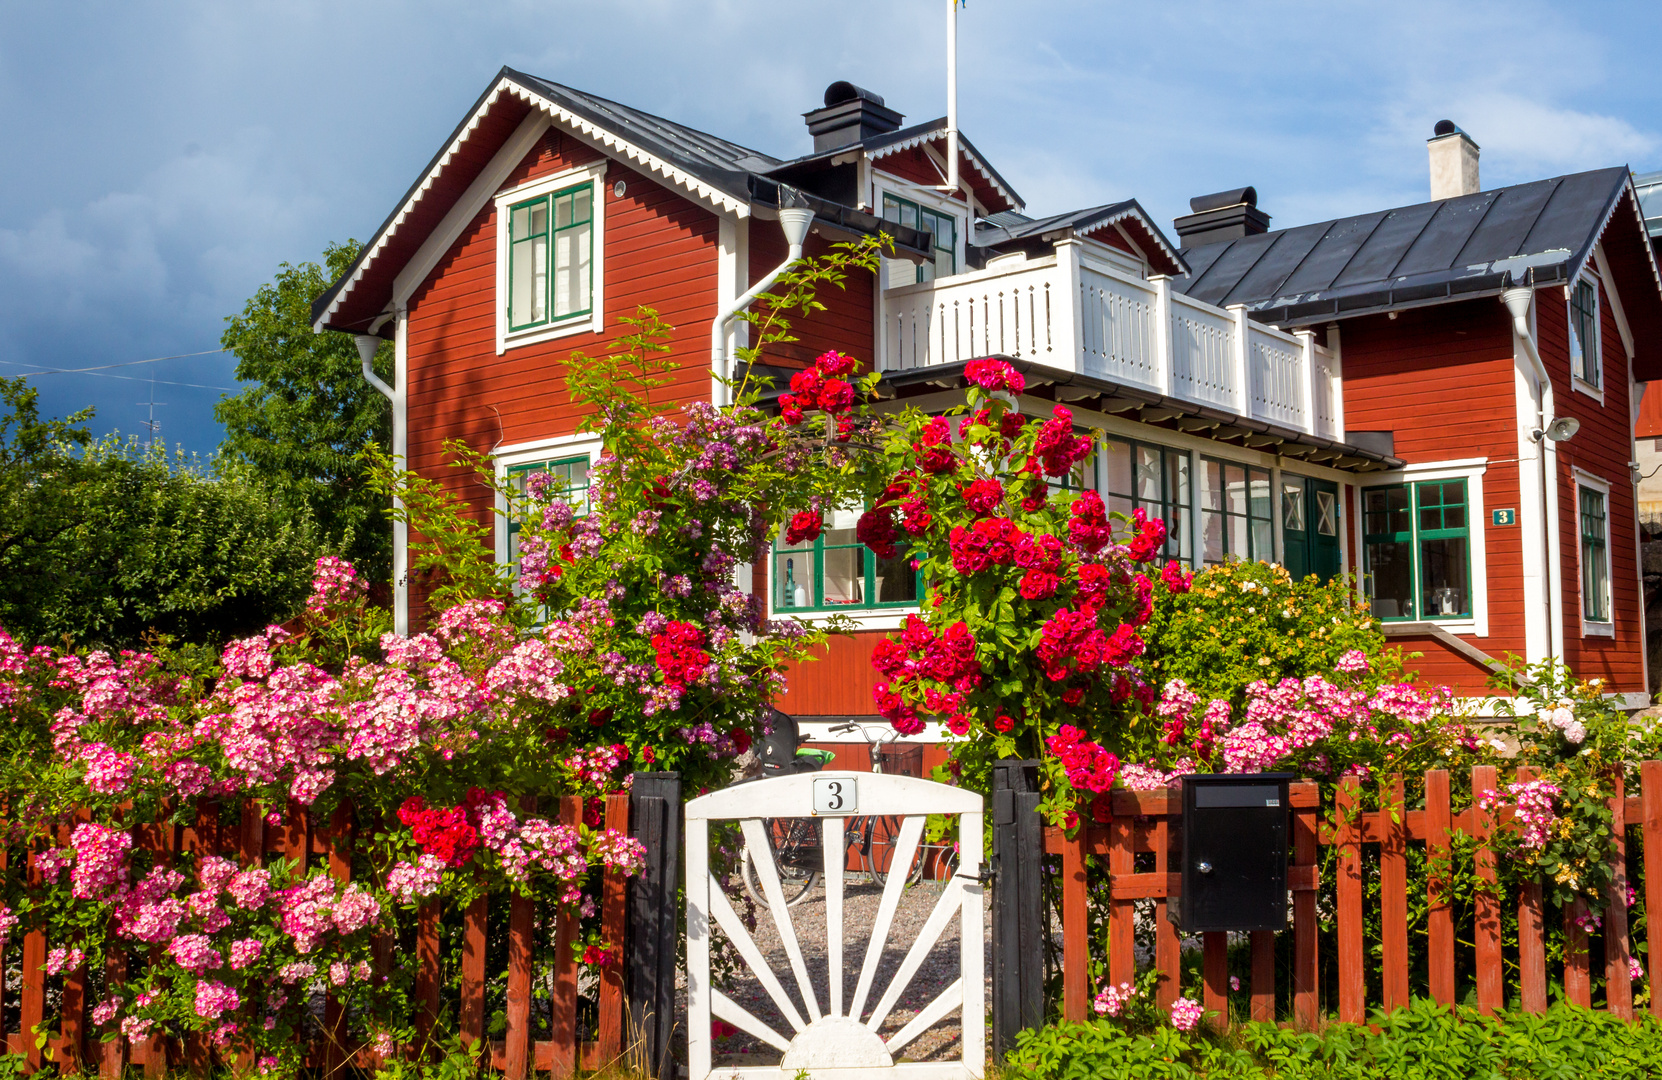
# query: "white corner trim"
{"points": [[525, 453], [595, 320], [468, 206]]}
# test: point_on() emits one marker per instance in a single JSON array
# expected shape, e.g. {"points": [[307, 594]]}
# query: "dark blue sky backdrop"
{"points": [[163, 158]]}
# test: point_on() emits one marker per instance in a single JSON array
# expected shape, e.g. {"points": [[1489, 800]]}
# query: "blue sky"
{"points": [[163, 158]]}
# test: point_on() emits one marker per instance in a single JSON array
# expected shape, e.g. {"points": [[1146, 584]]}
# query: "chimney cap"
{"points": [[842, 90], [1247, 196], [1442, 127]]}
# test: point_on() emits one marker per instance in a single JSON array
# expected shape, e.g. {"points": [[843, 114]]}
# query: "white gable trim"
{"points": [[1608, 281], [975, 161], [468, 206], [608, 141]]}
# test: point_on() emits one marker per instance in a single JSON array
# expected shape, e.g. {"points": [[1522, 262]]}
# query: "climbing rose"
{"points": [[992, 374], [805, 526]]}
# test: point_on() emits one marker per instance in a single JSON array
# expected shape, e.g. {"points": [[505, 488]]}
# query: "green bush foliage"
{"points": [[1423, 1042], [1244, 621]]}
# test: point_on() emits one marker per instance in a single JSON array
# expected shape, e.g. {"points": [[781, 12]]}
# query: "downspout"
{"points": [[368, 344], [1517, 301], [794, 221]]}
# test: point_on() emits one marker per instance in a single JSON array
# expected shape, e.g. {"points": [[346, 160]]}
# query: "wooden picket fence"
{"points": [[1151, 822], [299, 837]]}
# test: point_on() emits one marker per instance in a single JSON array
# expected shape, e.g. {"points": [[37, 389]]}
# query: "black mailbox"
{"points": [[1234, 853]]}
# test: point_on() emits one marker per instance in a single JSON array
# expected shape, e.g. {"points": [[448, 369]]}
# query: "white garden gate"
{"points": [[834, 1042]]}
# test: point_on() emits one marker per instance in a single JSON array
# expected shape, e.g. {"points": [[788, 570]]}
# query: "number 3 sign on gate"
{"points": [[834, 797]]}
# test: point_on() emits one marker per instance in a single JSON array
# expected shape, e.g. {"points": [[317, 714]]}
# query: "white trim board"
{"points": [[1470, 470]]}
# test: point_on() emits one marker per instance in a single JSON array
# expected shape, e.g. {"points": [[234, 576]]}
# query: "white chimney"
{"points": [[1453, 162]]}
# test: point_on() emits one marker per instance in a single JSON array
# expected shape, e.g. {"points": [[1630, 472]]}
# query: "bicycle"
{"points": [[876, 835], [797, 843]]}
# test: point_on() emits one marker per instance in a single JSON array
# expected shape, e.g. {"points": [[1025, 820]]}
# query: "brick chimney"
{"points": [[1453, 162]]}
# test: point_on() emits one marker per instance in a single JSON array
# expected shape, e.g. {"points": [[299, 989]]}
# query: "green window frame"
{"points": [[1417, 549], [944, 228], [1154, 479], [567, 475], [1595, 555], [551, 257], [835, 572], [1236, 512], [1585, 361]]}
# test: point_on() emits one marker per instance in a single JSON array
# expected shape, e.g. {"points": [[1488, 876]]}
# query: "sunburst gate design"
{"points": [[835, 1043]]}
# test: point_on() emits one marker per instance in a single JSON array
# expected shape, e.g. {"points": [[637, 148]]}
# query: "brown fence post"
{"points": [[1490, 992], [72, 1017], [1168, 944], [427, 974], [1215, 977], [1122, 912], [340, 868], [1618, 984], [33, 1002], [1263, 976], [1532, 948], [1650, 788], [564, 1020], [113, 1061], [1352, 987], [1578, 988], [1306, 857], [1439, 917], [472, 1012], [1075, 937], [614, 916], [1393, 891]]}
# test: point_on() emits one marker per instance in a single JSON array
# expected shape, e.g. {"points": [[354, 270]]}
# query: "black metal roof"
{"points": [[1433, 252], [918, 132], [1108, 395]]}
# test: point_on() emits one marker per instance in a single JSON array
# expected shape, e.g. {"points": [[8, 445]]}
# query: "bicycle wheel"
{"points": [[795, 847], [877, 851]]}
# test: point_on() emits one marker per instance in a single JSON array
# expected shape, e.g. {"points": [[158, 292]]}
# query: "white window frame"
{"points": [[1577, 383], [1470, 470], [528, 453], [1585, 479], [595, 320], [883, 183]]}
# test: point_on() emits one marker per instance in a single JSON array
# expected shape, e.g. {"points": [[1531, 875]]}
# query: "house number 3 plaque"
{"points": [[834, 796]]}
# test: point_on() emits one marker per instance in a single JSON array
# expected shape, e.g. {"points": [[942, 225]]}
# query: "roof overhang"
{"points": [[1108, 396]]}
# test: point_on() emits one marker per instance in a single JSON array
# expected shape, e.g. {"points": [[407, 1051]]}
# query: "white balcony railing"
{"points": [[1076, 313]]}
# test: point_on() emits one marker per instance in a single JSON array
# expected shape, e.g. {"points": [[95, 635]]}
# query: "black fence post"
{"points": [[654, 918], [1018, 905]]}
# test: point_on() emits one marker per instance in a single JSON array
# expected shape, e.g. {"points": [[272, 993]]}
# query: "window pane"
{"points": [[1116, 461], [1292, 507], [793, 577], [1391, 578], [1211, 484], [1119, 504], [571, 274], [1327, 513], [844, 575], [1148, 473], [1263, 540], [1235, 490], [896, 581], [1237, 538], [1385, 510], [1258, 487], [1211, 524], [528, 275], [1443, 570], [580, 208]]}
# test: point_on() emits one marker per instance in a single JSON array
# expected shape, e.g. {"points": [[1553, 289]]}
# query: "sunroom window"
{"points": [[944, 228], [1235, 512], [1585, 361], [1417, 546], [835, 572], [1154, 480], [551, 257]]}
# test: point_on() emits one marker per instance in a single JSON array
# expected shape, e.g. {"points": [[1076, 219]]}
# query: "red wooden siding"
{"points": [[914, 165], [660, 250], [838, 683], [1603, 446], [1442, 378], [846, 323]]}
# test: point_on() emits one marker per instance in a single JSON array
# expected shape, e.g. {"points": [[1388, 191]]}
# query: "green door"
{"points": [[1310, 526]]}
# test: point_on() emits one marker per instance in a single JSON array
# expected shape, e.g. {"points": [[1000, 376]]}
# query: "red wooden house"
{"points": [[1388, 394]]}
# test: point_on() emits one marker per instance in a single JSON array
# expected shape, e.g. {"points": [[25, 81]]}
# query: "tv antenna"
{"points": [[152, 425]]}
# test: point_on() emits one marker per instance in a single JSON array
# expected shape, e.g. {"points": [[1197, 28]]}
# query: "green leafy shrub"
{"points": [[1245, 621], [1425, 1041]]}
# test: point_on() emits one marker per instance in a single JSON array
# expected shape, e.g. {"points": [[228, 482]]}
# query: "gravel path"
{"points": [[860, 903]]}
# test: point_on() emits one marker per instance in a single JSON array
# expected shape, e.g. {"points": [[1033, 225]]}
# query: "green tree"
{"points": [[309, 412], [103, 542]]}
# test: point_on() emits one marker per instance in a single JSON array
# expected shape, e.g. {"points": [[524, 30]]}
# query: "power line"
{"points": [[129, 378], [106, 367]]}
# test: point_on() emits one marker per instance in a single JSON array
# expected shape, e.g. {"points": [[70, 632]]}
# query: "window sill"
{"points": [[867, 618], [577, 324], [1408, 627], [1595, 629], [1582, 386]]}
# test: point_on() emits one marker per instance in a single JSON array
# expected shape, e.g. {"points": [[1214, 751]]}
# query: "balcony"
{"points": [[1079, 313]]}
